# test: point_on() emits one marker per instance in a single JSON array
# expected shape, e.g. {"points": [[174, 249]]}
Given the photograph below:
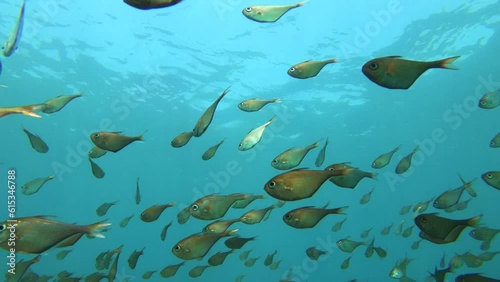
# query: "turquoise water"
{"points": [[158, 70]]}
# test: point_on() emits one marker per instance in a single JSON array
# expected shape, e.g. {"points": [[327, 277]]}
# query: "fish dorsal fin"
{"points": [[393, 57], [297, 169]]}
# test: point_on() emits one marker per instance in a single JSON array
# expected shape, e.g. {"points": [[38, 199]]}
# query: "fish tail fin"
{"points": [[37, 258], [94, 230], [300, 4], [468, 186], [223, 93], [312, 146], [273, 119], [397, 148], [445, 63], [260, 197], [230, 232], [277, 100], [140, 136], [340, 210], [30, 110], [373, 175], [474, 222], [334, 60]]}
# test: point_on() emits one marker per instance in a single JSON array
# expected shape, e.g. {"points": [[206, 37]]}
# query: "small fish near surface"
{"points": [[348, 246], [153, 213], [253, 105], [28, 110], [37, 234], [292, 157], [182, 139], [238, 242], [113, 141], [440, 230], [452, 197], [309, 68], [207, 117], [213, 206], [384, 159], [34, 185], [210, 152], [492, 178], [268, 13], [219, 258], [241, 204], [254, 136], [395, 73], [321, 155], [12, 42], [308, 217], [197, 246], [96, 152], [405, 163], [96, 169], [56, 104], [350, 177], [490, 100], [314, 254], [151, 4], [103, 209], [256, 216], [219, 226], [36, 142]]}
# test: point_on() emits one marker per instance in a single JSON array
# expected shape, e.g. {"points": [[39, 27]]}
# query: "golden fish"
{"points": [[182, 139], [256, 216], [25, 110], [269, 258], [451, 197], [395, 73], [366, 198], [292, 157], [12, 42], [443, 230], [211, 151], [37, 234], [490, 100], [254, 136], [134, 256], [197, 245], [151, 4], [96, 152], [399, 228], [338, 225], [384, 159], [241, 204], [314, 253], [405, 163], [103, 209], [170, 270], [255, 104], [113, 141], [321, 155], [399, 271], [213, 206], [34, 185], [219, 258], [197, 271], [348, 246], [183, 215], [237, 242], [219, 226], [36, 142], [137, 192], [484, 234], [205, 119], [298, 184], [422, 206], [267, 14], [124, 222], [492, 178], [96, 169], [153, 213], [350, 177], [308, 217], [309, 68], [56, 104], [163, 233]]}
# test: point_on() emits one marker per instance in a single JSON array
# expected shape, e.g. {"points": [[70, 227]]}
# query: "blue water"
{"points": [[158, 70]]}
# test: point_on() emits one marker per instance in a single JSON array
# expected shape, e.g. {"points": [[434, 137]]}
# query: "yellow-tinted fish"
{"points": [[183, 215], [399, 271], [492, 178], [182, 139], [34, 185], [338, 225], [308, 217], [292, 157], [345, 263], [442, 229], [254, 136], [151, 4], [309, 68], [197, 271], [36, 142], [211, 151], [56, 104], [396, 73], [422, 206], [124, 222], [256, 216], [490, 100], [96, 169], [268, 14], [298, 184], [399, 228], [219, 258], [351, 177], [37, 234], [213, 206], [237, 242], [451, 197], [314, 253], [384, 159], [153, 213], [340, 166], [25, 110], [205, 119], [134, 257], [170, 270], [347, 245], [321, 155], [366, 198], [197, 245], [255, 104], [12, 42], [96, 152], [113, 141], [484, 234], [405, 163], [241, 204], [219, 226], [269, 258], [137, 192]]}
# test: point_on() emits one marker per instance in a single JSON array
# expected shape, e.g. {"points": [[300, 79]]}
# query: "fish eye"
{"points": [[288, 216], [248, 9], [483, 102], [195, 207], [275, 161], [423, 219], [373, 66], [177, 248], [489, 175], [96, 135], [2, 227], [271, 184], [292, 69]]}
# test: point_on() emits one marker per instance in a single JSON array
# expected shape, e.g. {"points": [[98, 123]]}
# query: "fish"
{"points": [[207, 117], [399, 269], [96, 152], [385, 231], [148, 274], [256, 216], [134, 257], [20, 271], [124, 222], [151, 4], [96, 169], [213, 206], [492, 178], [153, 213], [197, 271], [490, 100], [219, 258], [95, 277], [416, 244], [292, 157], [137, 192], [338, 225], [62, 254], [407, 232], [399, 228], [268, 13], [219, 226], [471, 260], [275, 265], [103, 209], [37, 234], [366, 198], [443, 230], [28, 110], [484, 233], [237, 242], [347, 245], [244, 255], [210, 152], [170, 270], [345, 263], [366, 232], [384, 159], [280, 203], [314, 254], [442, 263], [370, 248], [254, 136], [34, 185], [163, 233], [183, 215], [308, 217], [395, 73], [495, 142], [422, 206], [405, 163], [309, 68], [439, 275], [298, 184], [321, 155], [251, 261], [255, 104], [474, 277], [36, 142], [181, 139], [487, 256], [269, 258], [241, 204], [197, 246], [451, 197], [56, 104], [113, 141], [12, 42], [350, 178], [239, 278], [405, 209]]}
